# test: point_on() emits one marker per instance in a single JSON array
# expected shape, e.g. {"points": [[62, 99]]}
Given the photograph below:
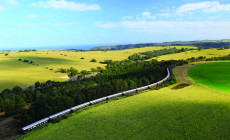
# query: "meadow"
{"points": [[194, 112], [197, 111], [216, 75], [208, 53], [47, 62]]}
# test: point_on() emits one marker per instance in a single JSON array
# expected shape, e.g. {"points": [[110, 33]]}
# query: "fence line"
{"points": [[96, 101]]}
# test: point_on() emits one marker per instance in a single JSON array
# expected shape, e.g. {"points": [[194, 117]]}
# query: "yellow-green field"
{"points": [[195, 53], [16, 73], [194, 112]]}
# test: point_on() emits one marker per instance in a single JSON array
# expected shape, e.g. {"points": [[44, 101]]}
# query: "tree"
{"points": [[17, 90], [84, 72], [99, 69], [72, 72], [37, 84], [93, 70], [93, 60]]}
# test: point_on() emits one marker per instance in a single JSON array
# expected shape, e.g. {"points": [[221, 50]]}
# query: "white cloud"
{"points": [[206, 6], [127, 18], [2, 8], [13, 2], [173, 27], [63, 4], [32, 16], [145, 16]]}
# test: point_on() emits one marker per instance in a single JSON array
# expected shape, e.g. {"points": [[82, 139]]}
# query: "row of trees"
{"points": [[51, 97], [150, 54]]}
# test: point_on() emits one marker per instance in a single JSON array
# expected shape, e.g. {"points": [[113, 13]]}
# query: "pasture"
{"points": [[193, 112], [47, 62], [195, 53], [215, 74]]}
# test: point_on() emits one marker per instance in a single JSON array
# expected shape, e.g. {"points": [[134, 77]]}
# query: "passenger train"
{"points": [[75, 108]]}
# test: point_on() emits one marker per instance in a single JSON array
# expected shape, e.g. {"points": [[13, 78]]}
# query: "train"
{"points": [[96, 101]]}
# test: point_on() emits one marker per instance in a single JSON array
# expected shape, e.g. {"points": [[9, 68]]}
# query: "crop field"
{"points": [[195, 53], [193, 112], [215, 75], [47, 62]]}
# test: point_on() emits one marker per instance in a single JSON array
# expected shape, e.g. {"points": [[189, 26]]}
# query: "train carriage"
{"points": [[98, 100], [114, 95]]}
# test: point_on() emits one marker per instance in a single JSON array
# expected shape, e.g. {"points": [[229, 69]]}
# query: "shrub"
{"points": [[93, 60], [26, 61]]}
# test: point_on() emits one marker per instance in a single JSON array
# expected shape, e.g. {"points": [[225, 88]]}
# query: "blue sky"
{"points": [[41, 23]]}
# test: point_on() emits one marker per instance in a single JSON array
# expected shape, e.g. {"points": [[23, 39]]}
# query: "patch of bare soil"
{"points": [[180, 86], [180, 73]]}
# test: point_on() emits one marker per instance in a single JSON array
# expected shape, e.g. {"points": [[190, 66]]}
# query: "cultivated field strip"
{"points": [[96, 101]]}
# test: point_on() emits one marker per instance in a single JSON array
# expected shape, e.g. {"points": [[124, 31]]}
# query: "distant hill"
{"points": [[202, 43]]}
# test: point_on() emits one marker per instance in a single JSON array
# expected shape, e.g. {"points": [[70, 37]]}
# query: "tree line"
{"points": [[150, 54], [51, 97]]}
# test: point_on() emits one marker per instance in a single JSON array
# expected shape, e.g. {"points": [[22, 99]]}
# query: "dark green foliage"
{"points": [[72, 72], [26, 60], [62, 70], [33, 50], [6, 54], [205, 44], [151, 54], [93, 60], [37, 84], [51, 97]]}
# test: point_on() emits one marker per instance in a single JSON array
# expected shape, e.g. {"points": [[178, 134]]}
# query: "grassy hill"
{"points": [[198, 43], [47, 62], [193, 112], [195, 53], [215, 75]]}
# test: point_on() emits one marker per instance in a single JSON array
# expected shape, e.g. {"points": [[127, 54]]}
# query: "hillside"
{"points": [[202, 44], [47, 62], [193, 112]]}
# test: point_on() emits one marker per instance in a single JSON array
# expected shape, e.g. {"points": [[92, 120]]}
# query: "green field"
{"points": [[215, 75], [194, 112], [16, 73], [195, 53]]}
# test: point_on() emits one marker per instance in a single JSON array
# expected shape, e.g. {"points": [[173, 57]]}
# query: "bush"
{"points": [[82, 58], [26, 61], [93, 60]]}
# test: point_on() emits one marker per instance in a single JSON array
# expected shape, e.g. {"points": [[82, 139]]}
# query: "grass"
{"points": [[195, 53], [16, 73], [216, 75], [194, 112]]}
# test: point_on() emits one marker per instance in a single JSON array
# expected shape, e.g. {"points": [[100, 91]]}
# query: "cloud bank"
{"points": [[63, 4]]}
